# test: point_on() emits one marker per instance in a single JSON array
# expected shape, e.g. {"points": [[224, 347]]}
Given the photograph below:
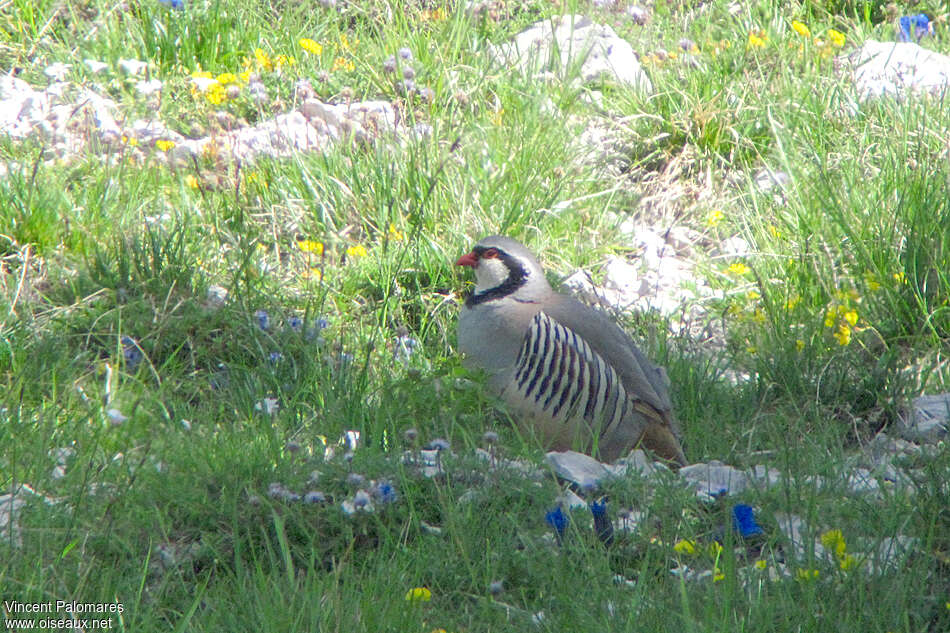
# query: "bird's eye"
{"points": [[490, 253]]}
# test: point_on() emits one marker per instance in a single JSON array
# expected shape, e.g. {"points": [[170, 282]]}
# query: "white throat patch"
{"points": [[490, 273]]}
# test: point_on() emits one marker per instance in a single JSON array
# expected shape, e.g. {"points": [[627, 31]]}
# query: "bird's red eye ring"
{"points": [[490, 253]]}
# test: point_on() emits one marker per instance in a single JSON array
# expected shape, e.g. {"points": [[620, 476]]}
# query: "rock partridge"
{"points": [[569, 374]]}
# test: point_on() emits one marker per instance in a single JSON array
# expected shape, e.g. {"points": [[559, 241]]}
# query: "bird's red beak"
{"points": [[468, 259]]}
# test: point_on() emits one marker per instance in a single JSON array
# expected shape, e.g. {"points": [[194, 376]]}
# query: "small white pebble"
{"points": [[95, 65], [132, 66]]}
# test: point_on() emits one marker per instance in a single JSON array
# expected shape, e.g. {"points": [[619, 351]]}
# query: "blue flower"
{"points": [[315, 496], [558, 520], [295, 323], [743, 521], [263, 319], [385, 493], [275, 357], [914, 27], [174, 4], [602, 525], [321, 323]]}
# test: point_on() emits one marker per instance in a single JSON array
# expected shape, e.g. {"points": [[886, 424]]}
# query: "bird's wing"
{"points": [[644, 382]]}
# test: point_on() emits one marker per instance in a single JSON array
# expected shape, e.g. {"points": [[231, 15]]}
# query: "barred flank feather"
{"points": [[559, 374]]}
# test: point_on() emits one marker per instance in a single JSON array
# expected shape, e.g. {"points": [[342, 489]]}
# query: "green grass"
{"points": [[837, 317]]}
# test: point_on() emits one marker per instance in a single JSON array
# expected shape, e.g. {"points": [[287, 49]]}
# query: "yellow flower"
{"points": [[164, 145], [395, 233], [356, 251], [342, 63], [751, 349], [227, 78], [756, 40], [792, 302], [800, 28], [263, 59], [871, 281], [437, 15], [806, 574], [738, 268], [761, 564], [834, 540], [191, 181], [202, 74], [836, 38], [715, 549], [752, 295], [311, 46], [685, 546], [131, 141], [497, 116], [830, 317], [843, 335], [715, 217], [310, 246], [312, 273], [216, 94], [900, 277], [848, 562], [718, 575], [345, 42], [245, 76], [799, 345], [851, 316], [774, 232], [284, 60], [418, 594]]}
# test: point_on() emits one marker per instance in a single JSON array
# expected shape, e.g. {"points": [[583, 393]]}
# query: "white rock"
{"points": [[583, 470], [132, 66], [116, 417], [148, 87], [714, 479], [928, 420], [636, 462], [58, 71], [735, 246], [793, 527], [216, 296], [764, 475], [569, 500], [314, 108], [766, 180], [561, 42], [622, 277], [897, 69], [95, 65], [9, 506]]}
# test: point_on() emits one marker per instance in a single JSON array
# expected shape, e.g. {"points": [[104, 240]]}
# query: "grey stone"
{"points": [[927, 420], [583, 470], [714, 478]]}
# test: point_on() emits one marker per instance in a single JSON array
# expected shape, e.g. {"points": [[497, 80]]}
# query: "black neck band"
{"points": [[517, 277]]}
